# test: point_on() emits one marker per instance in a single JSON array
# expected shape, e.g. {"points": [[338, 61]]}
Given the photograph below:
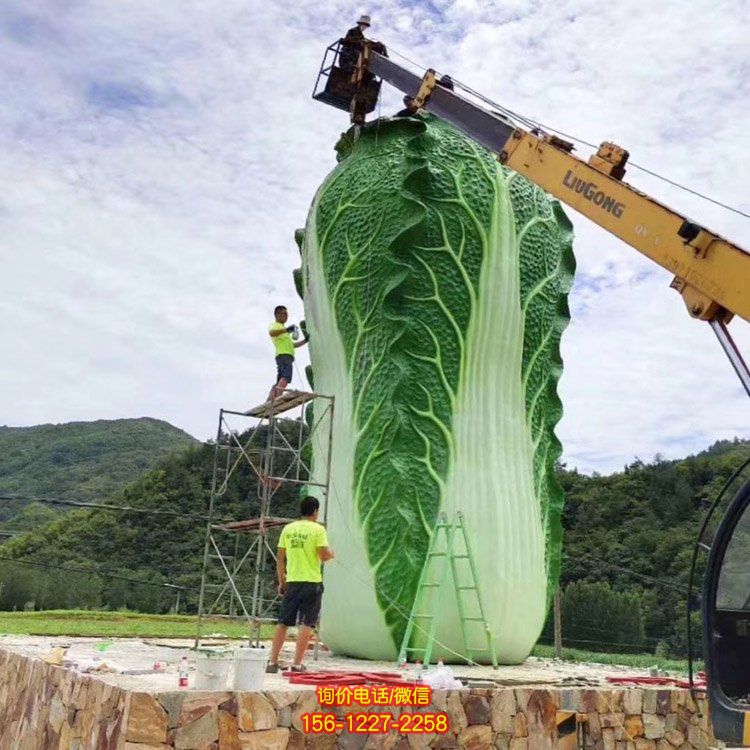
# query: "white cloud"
{"points": [[158, 157]]}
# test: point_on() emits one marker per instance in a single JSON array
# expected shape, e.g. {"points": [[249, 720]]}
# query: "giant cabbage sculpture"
{"points": [[434, 283]]}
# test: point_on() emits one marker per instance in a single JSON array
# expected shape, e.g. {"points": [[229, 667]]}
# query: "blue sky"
{"points": [[157, 159]]}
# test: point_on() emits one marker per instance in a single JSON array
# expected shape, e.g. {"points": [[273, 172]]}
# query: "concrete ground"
{"points": [[129, 663]]}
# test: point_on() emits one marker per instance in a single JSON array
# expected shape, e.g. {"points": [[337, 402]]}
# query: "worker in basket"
{"points": [[351, 45], [410, 107]]}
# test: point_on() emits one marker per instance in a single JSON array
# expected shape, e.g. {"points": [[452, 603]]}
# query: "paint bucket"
{"points": [[212, 668], [249, 668]]}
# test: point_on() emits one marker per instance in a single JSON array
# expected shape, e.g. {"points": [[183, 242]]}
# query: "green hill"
{"points": [[628, 541], [80, 460]]}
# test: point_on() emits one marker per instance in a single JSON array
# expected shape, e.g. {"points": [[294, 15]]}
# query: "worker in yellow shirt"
{"points": [[281, 335], [303, 548]]}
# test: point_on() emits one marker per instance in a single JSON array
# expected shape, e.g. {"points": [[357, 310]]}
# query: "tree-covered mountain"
{"points": [[78, 461], [626, 554]]}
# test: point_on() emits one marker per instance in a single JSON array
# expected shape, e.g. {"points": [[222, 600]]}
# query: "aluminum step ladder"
{"points": [[432, 581]]}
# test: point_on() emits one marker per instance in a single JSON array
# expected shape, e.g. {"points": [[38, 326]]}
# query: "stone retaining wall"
{"points": [[44, 707]]}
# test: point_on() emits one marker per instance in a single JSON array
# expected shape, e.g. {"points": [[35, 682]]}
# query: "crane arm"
{"points": [[711, 273]]}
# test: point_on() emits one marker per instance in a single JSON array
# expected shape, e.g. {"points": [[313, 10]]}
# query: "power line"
{"points": [[620, 566], [100, 572], [530, 122], [105, 506]]}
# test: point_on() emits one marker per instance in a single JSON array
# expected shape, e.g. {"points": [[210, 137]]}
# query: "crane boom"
{"points": [[711, 273]]}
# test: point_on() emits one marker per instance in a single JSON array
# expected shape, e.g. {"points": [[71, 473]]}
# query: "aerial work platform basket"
{"points": [[335, 84]]}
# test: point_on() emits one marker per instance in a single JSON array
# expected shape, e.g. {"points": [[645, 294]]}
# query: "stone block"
{"points": [[594, 725], [643, 744], [456, 715], [663, 702], [57, 713], [477, 709], [442, 742], [541, 712], [197, 734], [439, 700], [634, 726], [315, 742], [522, 698], [228, 731], [172, 704], [502, 741], [141, 746], [520, 725], [420, 740], [281, 698], [671, 722], [569, 700], [502, 710], [654, 726], [632, 701], [476, 737], [519, 743], [270, 739], [147, 722], [675, 737], [611, 720], [649, 701], [697, 738], [284, 716], [196, 705], [608, 738], [255, 712], [683, 718], [307, 702], [296, 740], [351, 741]]}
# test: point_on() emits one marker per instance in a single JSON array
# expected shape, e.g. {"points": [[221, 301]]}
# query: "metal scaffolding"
{"points": [[278, 450]]}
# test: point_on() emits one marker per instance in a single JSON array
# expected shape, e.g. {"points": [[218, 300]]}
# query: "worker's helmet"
{"points": [[365, 20]]}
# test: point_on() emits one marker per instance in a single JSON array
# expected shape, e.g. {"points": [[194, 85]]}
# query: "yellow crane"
{"points": [[710, 272]]}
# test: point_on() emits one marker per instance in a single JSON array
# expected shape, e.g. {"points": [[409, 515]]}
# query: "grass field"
{"points": [[134, 625], [117, 625], [639, 661]]}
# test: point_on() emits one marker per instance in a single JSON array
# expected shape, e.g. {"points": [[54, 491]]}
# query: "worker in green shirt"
{"points": [[303, 548], [281, 335]]}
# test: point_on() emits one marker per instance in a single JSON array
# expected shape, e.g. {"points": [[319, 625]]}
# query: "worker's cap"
{"points": [[365, 20]]}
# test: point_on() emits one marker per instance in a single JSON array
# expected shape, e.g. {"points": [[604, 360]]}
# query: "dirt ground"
{"points": [[129, 663]]}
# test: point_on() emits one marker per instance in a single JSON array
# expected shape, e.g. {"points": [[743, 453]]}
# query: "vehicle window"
{"points": [[734, 579]]}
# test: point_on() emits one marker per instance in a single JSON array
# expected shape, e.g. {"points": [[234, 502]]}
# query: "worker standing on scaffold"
{"points": [[281, 335], [303, 548]]}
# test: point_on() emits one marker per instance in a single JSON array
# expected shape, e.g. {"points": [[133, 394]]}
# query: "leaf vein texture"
{"points": [[435, 285]]}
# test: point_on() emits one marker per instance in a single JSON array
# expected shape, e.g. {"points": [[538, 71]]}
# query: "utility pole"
{"points": [[558, 624]]}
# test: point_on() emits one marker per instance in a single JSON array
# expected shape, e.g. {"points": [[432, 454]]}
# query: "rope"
{"points": [[536, 124]]}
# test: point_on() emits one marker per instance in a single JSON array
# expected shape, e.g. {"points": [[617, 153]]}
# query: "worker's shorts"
{"points": [[301, 604], [284, 367]]}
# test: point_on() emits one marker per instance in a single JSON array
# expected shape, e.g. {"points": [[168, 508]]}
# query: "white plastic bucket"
{"points": [[212, 668], [249, 668]]}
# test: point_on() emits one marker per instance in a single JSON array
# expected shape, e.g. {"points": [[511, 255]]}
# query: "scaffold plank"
{"points": [[288, 400], [253, 524]]}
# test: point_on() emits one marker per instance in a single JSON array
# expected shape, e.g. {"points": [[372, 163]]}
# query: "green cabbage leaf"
{"points": [[434, 283]]}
